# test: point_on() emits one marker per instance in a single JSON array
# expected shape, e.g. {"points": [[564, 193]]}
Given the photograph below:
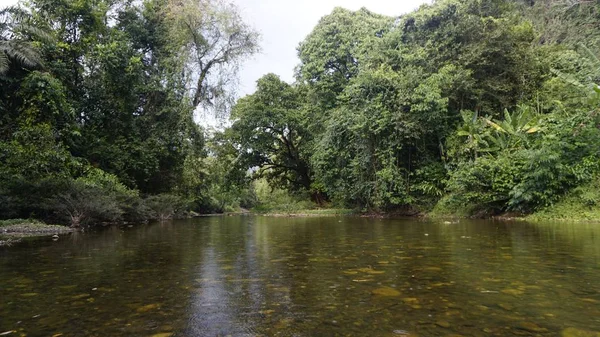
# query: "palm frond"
{"points": [[16, 35], [21, 52], [495, 125]]}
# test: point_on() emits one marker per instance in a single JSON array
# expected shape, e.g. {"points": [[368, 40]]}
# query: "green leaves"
{"points": [[337, 48], [270, 129], [16, 35], [211, 40]]}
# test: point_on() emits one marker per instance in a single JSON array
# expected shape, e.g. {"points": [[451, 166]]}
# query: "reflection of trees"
{"points": [[287, 273], [129, 268], [259, 275], [534, 270]]}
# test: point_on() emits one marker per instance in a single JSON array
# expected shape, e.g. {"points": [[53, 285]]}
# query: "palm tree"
{"points": [[15, 39]]}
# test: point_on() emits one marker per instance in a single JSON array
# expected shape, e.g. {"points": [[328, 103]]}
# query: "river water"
{"points": [[330, 276]]}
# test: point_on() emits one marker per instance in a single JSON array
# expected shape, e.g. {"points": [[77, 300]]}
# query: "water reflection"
{"points": [[249, 276]]}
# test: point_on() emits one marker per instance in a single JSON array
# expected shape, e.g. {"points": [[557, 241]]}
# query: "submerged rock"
{"points": [[386, 291], [574, 332], [506, 307], [443, 324], [514, 292], [531, 327]]}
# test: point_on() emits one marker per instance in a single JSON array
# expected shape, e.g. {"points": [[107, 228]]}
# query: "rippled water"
{"points": [[261, 276]]}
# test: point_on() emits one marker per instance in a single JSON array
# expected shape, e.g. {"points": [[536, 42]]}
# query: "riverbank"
{"points": [[12, 231], [308, 212], [567, 210]]}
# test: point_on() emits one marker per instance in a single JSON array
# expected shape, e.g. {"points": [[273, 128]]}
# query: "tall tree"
{"points": [[212, 40], [333, 52], [269, 127]]}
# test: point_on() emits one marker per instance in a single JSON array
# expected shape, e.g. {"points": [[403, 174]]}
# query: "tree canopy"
{"points": [[475, 107], [110, 86], [457, 104]]}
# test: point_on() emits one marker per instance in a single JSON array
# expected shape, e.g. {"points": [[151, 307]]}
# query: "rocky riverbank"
{"points": [[11, 231]]}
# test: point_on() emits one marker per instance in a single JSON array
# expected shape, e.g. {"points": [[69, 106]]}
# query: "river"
{"points": [[321, 276]]}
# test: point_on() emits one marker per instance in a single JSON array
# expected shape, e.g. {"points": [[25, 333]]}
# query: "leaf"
{"points": [[495, 126]]}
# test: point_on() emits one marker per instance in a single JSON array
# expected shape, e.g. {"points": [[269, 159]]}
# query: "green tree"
{"points": [[269, 127], [212, 40], [334, 51]]}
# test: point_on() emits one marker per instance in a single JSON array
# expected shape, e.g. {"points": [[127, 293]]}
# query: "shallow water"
{"points": [[261, 276]]}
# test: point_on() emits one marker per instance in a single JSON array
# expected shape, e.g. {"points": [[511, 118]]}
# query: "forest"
{"points": [[470, 108]]}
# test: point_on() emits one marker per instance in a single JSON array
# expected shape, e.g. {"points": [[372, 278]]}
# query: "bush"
{"points": [[165, 206], [532, 174], [579, 204], [83, 204], [486, 183], [96, 197], [277, 200]]}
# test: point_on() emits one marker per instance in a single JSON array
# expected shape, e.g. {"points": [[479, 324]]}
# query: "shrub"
{"points": [[277, 200], [96, 197], [486, 183], [83, 204], [165, 206]]}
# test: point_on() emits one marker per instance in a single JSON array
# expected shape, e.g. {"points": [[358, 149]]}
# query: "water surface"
{"points": [[261, 276]]}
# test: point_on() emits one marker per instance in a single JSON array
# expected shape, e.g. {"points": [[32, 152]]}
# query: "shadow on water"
{"points": [[249, 276]]}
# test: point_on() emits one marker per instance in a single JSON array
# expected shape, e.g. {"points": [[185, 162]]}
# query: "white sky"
{"points": [[284, 23]]}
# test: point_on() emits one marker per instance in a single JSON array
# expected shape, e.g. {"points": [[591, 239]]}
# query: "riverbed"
{"points": [[329, 276]]}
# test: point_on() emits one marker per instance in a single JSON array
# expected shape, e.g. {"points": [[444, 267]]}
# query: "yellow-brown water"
{"points": [[260, 276]]}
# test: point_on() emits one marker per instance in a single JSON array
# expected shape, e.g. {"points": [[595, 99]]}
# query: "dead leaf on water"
{"points": [[80, 296], [371, 271], [267, 312], [514, 292], [148, 307]]}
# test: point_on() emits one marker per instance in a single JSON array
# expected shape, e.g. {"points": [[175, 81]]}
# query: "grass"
{"points": [[21, 222], [20, 228], [450, 207], [309, 212], [581, 204]]}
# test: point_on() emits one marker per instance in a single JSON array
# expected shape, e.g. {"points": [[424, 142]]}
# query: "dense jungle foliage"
{"points": [[97, 102], [462, 107], [469, 107]]}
